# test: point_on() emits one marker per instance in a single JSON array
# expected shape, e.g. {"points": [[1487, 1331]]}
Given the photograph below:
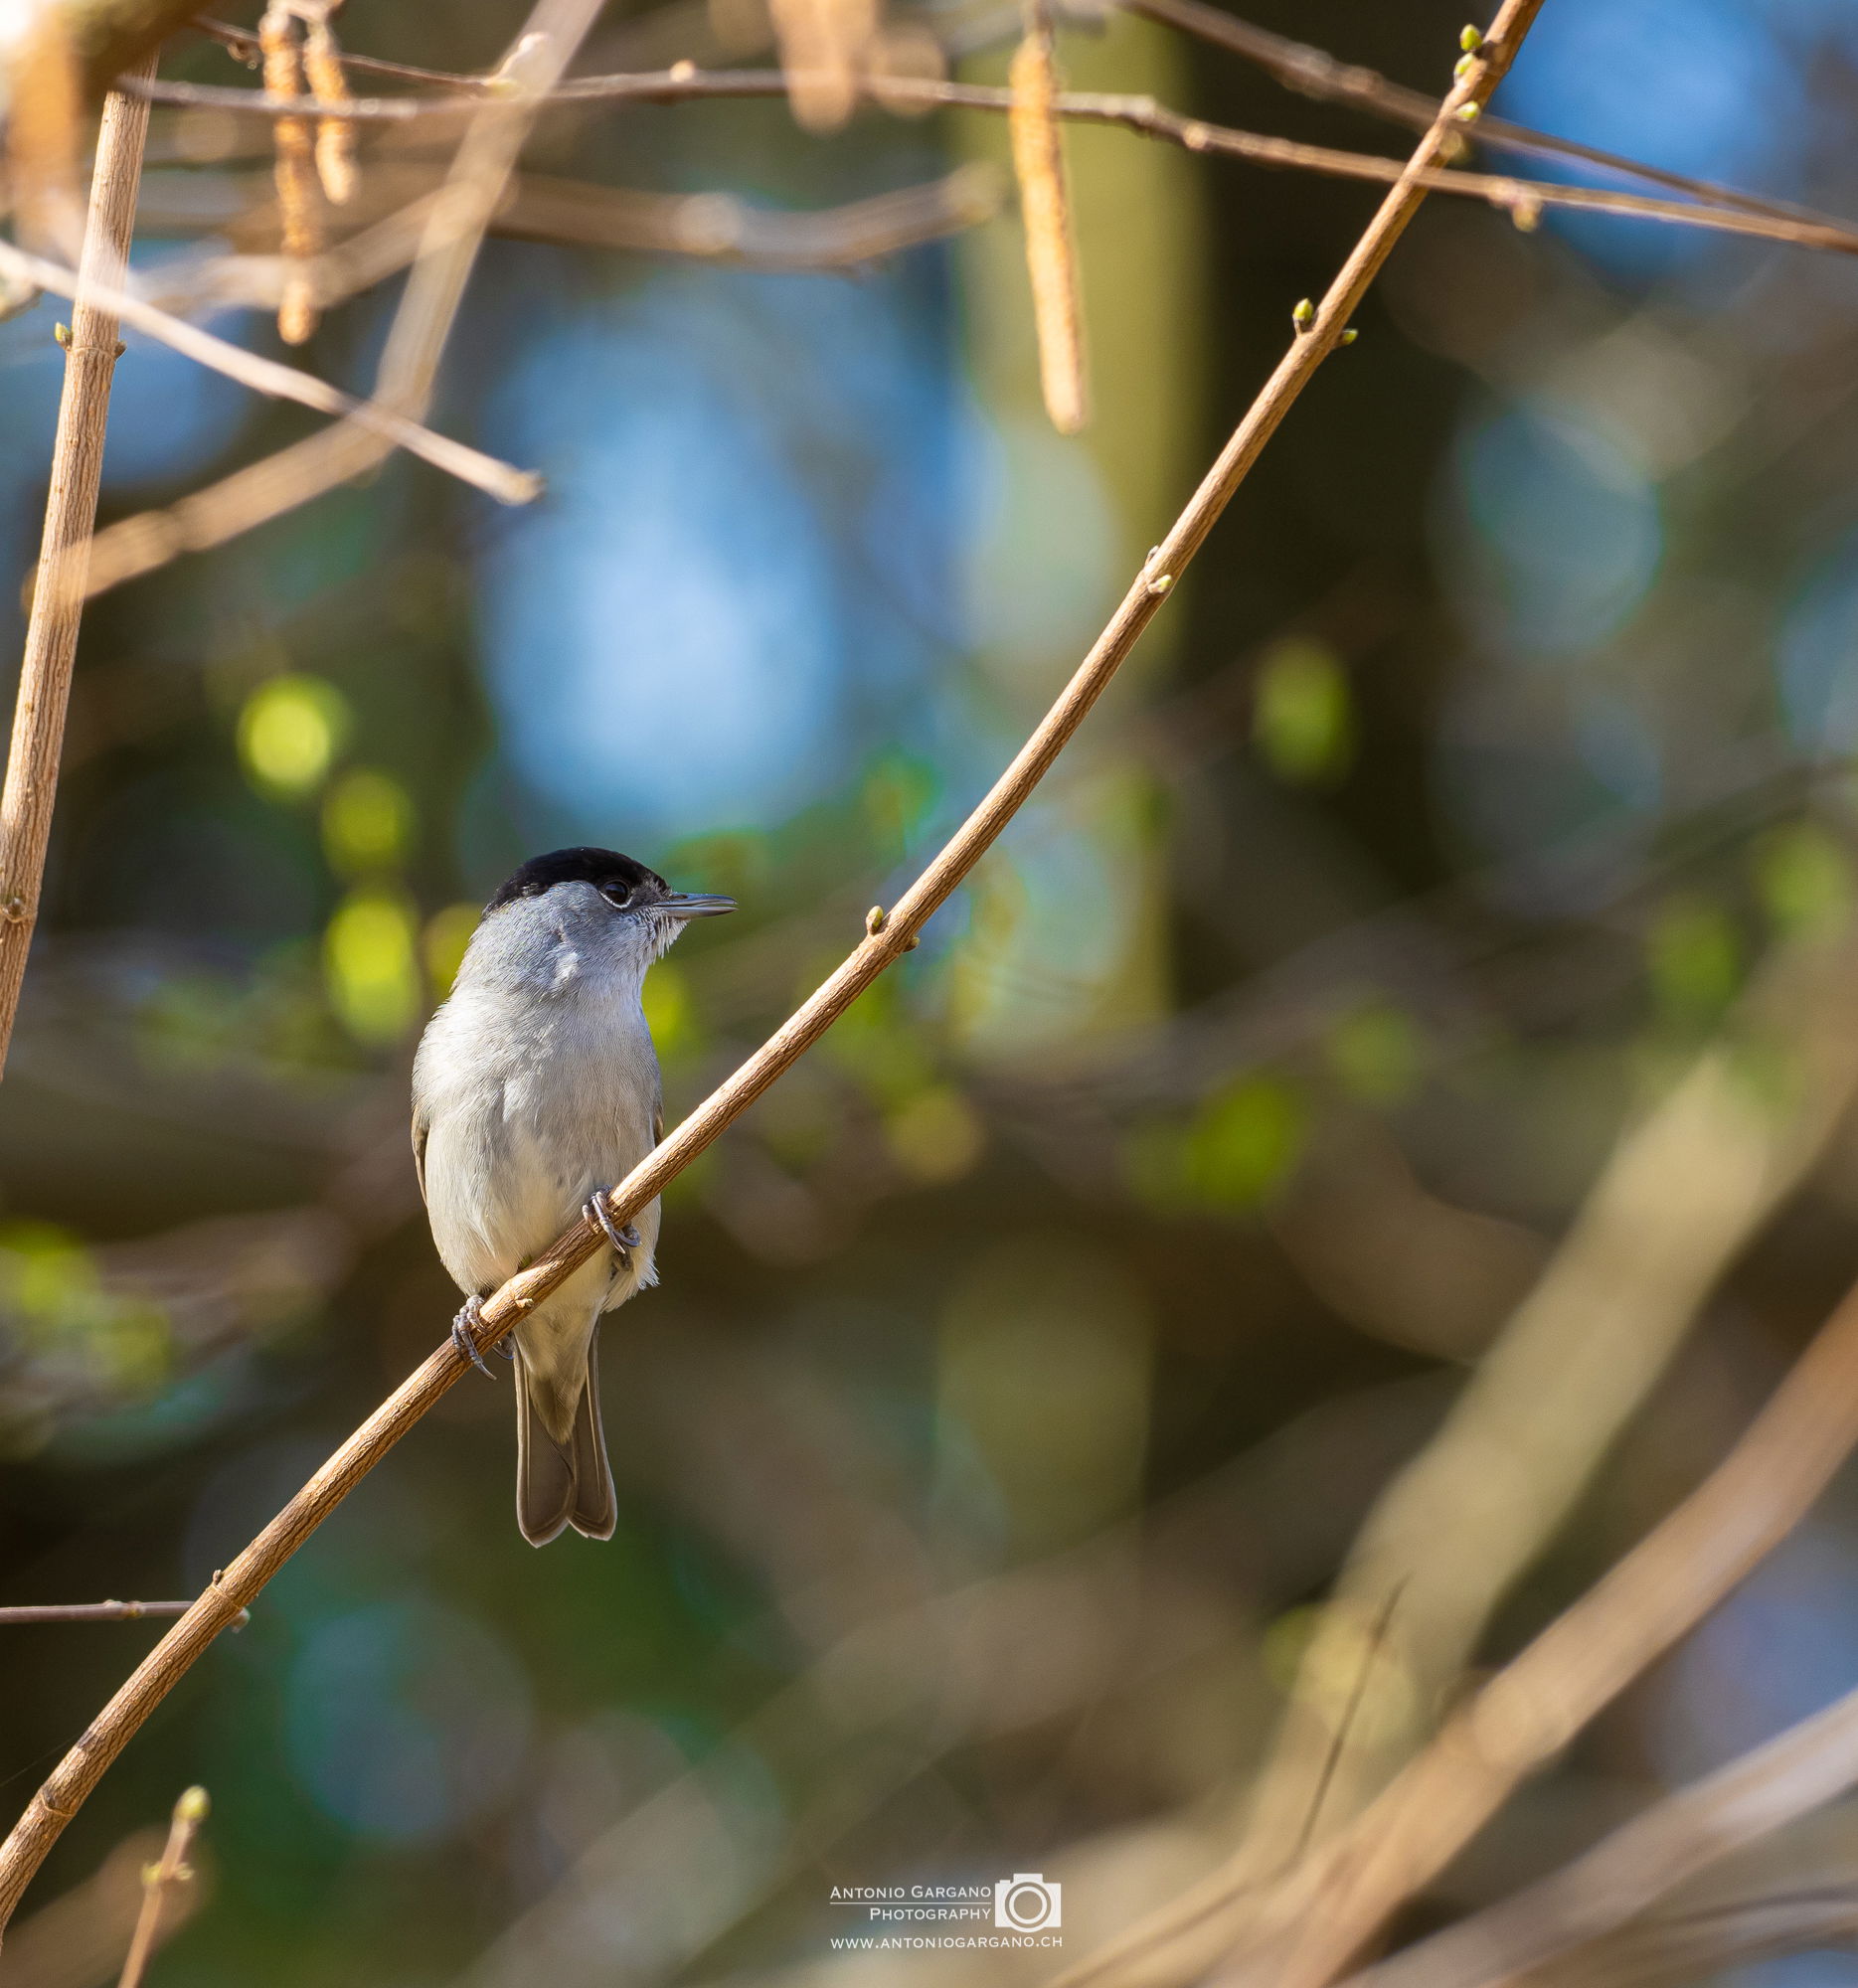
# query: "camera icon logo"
{"points": [[1025, 1902]]}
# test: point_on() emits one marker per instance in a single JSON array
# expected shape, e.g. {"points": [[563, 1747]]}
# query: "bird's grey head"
{"points": [[603, 906]]}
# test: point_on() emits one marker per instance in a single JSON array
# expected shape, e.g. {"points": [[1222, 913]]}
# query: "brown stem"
{"points": [[282, 383], [1306, 1926], [1627, 1873], [682, 84], [887, 939], [1312, 71], [30, 789], [450, 232], [162, 1878], [1530, 1711]]}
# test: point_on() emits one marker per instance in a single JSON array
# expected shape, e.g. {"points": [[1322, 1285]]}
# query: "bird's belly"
{"points": [[504, 1181]]}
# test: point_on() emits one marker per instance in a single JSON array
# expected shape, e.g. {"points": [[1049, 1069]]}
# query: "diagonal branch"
{"points": [[92, 1611], [887, 937], [278, 382], [1523, 1718], [1312, 71], [1323, 1917], [1811, 1763], [452, 229], [1741, 214]]}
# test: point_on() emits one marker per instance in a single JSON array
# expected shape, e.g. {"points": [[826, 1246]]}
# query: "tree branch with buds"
{"points": [[886, 941]]}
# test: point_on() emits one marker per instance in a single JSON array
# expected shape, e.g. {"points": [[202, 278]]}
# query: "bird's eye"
{"points": [[617, 895]]}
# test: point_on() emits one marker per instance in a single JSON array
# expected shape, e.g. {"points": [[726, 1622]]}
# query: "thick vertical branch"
{"points": [[30, 789]]}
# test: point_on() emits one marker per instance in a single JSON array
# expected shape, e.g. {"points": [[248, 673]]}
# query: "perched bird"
{"points": [[536, 1088]]}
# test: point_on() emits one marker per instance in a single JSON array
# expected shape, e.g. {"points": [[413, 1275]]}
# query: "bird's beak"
{"points": [[693, 905]]}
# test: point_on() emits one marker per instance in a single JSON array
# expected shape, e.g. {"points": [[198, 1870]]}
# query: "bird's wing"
{"points": [[657, 1125], [422, 1130]]}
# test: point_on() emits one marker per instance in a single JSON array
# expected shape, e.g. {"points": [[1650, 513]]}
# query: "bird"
{"points": [[535, 1088]]}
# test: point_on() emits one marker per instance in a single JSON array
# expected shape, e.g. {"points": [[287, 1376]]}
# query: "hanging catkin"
{"points": [[1050, 253], [300, 218], [328, 81]]}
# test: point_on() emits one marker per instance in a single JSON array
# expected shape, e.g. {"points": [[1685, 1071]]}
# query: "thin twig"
{"points": [[453, 227], [30, 789], [1312, 71], [1628, 1872], [77, 1939], [242, 44], [888, 938], [1687, 1184], [1527, 1713], [159, 1880], [686, 84], [1538, 1703], [95, 1612], [1345, 1726], [1671, 1949], [282, 383], [711, 227]]}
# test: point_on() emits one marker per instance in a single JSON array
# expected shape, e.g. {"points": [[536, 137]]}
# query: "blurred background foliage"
{"points": [[1026, 1361]]}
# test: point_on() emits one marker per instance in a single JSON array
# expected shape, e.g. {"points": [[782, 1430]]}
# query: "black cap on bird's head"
{"points": [[626, 885]]}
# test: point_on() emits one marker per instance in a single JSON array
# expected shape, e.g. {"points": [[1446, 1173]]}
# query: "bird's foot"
{"points": [[464, 1334], [625, 1240]]}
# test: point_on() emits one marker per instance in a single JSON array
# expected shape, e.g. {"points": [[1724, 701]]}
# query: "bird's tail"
{"points": [[561, 1483]]}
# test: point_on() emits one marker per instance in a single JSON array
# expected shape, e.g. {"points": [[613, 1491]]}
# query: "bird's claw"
{"points": [[625, 1240], [464, 1334]]}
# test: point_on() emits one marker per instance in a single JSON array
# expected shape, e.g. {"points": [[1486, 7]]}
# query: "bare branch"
{"points": [[78, 1940], [109, 37], [1803, 1768], [888, 938], [711, 227], [94, 1611], [685, 84], [452, 227], [1314, 73], [1669, 1950], [31, 790], [243, 46], [718, 227], [282, 383], [159, 1880], [1685, 1189], [1313, 1924], [1529, 1712]]}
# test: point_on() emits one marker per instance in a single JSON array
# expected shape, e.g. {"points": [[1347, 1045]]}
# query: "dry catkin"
{"points": [[822, 43], [300, 218], [1050, 253], [328, 80], [42, 136]]}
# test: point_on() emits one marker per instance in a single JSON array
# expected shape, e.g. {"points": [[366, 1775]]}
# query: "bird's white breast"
{"points": [[537, 1085]]}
